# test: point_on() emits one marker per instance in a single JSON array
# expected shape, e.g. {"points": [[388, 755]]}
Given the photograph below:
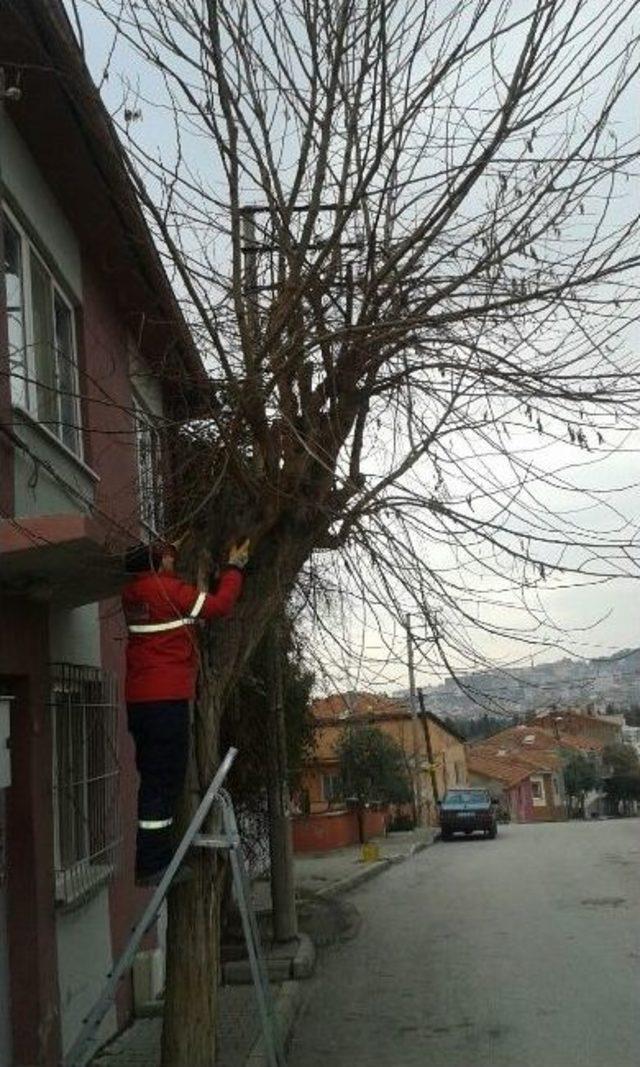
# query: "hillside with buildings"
{"points": [[611, 683]]}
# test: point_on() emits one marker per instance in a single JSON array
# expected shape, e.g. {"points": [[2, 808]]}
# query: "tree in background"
{"points": [[477, 727], [632, 715], [373, 768], [621, 758], [622, 790], [622, 778], [580, 777], [269, 719]]}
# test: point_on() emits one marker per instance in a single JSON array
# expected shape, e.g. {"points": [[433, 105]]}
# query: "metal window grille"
{"points": [[148, 447], [87, 827]]}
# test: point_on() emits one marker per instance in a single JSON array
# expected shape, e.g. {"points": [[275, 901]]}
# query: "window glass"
{"points": [[87, 831], [42, 319], [468, 798], [331, 787], [71, 770], [14, 295]]}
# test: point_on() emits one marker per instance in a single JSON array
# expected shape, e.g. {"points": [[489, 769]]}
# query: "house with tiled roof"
{"points": [[509, 781], [541, 749], [534, 752], [438, 750]]}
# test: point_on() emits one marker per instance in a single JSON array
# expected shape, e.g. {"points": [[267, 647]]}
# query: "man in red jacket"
{"points": [[162, 666]]}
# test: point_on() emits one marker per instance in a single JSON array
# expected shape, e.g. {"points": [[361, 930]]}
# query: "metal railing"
{"points": [[86, 772]]}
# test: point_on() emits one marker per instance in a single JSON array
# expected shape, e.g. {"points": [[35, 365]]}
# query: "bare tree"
{"points": [[400, 233]]}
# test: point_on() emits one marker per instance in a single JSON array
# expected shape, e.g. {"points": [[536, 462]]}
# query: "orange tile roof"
{"points": [[575, 713], [526, 738], [533, 759], [502, 768], [342, 705]]}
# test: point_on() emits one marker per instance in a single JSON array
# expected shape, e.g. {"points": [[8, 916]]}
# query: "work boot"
{"points": [[153, 878]]}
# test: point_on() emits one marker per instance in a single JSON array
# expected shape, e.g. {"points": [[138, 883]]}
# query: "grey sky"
{"points": [[598, 619]]}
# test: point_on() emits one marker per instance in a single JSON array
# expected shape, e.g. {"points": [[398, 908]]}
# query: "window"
{"points": [[537, 791], [42, 341], [331, 787], [14, 295], [85, 779], [149, 466]]}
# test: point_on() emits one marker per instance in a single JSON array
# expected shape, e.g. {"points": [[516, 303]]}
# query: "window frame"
{"points": [[29, 247], [539, 801]]}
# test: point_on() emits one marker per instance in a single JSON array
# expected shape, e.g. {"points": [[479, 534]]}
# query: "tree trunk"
{"points": [[283, 897], [193, 935], [189, 1032]]}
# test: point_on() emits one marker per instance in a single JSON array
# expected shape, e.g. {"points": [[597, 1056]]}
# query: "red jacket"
{"points": [[163, 665]]}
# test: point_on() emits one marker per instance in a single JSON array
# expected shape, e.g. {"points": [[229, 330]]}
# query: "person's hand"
{"points": [[239, 554]]}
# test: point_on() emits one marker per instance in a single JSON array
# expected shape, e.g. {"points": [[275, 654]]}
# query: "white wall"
{"points": [[84, 959], [74, 635], [145, 383], [27, 192]]}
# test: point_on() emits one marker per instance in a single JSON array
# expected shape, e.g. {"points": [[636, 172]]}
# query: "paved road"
{"points": [[520, 952]]}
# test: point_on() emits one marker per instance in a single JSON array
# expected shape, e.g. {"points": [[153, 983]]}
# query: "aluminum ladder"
{"points": [[87, 1044]]}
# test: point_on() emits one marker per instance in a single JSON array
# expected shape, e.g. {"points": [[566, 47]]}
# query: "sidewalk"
{"points": [[328, 873], [239, 1035], [319, 876]]}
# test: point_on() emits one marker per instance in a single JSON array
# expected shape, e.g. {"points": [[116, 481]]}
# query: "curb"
{"points": [[279, 968], [345, 885], [287, 1006], [353, 880]]}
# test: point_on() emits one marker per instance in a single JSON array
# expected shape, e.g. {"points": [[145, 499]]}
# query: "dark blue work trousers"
{"points": [[160, 730]]}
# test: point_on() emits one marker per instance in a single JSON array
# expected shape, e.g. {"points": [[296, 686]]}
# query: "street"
{"points": [[519, 952]]}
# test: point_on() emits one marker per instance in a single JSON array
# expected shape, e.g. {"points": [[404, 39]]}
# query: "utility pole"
{"points": [[417, 798], [283, 896], [427, 737]]}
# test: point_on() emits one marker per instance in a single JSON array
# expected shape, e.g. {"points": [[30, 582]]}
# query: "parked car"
{"points": [[462, 811]]}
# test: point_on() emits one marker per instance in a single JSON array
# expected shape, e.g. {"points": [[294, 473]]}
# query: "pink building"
{"points": [[510, 782]]}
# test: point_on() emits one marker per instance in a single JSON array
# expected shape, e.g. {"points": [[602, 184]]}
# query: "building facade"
{"points": [[428, 744], [94, 363], [509, 783]]}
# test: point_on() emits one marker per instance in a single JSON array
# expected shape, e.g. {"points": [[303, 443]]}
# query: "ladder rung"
{"points": [[211, 841]]}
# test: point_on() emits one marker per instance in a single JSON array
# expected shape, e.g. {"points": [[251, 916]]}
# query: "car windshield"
{"points": [[468, 797]]}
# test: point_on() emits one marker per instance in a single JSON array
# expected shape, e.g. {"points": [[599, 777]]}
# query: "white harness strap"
{"points": [[154, 824], [175, 624]]}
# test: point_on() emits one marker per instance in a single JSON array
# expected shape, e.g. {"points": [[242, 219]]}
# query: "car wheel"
{"points": [[446, 835], [492, 833]]}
